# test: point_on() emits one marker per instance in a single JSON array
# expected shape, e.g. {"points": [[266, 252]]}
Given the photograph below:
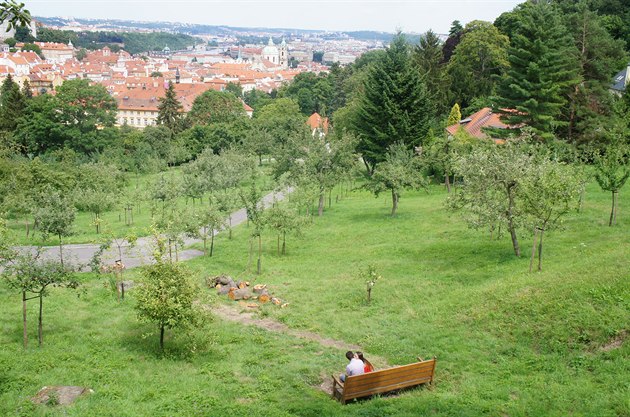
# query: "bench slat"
{"points": [[360, 385], [395, 372], [387, 388]]}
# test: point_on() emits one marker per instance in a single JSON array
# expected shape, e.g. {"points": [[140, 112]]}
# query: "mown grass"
{"points": [[508, 342]]}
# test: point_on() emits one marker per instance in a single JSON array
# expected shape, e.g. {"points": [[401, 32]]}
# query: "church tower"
{"points": [[284, 54]]}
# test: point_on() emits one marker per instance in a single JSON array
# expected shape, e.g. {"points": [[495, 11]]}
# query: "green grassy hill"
{"points": [[508, 343]]}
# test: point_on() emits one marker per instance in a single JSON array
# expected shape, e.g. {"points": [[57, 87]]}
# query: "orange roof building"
{"points": [[475, 124]]}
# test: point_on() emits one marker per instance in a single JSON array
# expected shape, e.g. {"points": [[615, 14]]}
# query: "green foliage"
{"points": [[427, 55], [550, 192], [215, 107], [14, 14], [34, 48], [490, 191], [401, 170], [613, 170], [479, 58], [12, 104], [394, 106], [170, 109], [542, 71], [313, 92], [76, 117], [370, 276], [454, 116], [166, 297], [281, 118]]}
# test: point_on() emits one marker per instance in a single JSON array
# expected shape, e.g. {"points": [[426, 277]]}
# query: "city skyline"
{"points": [[348, 15]]}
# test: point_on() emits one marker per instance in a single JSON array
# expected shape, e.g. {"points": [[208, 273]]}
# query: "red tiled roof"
{"points": [[316, 121], [474, 124]]}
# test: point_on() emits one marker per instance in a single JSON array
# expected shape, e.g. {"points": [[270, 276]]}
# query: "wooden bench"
{"points": [[385, 380]]}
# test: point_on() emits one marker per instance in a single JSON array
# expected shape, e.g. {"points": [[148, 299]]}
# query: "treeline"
{"points": [[132, 42]]}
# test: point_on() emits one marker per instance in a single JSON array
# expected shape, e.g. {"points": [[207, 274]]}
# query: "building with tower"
{"points": [[276, 55]]}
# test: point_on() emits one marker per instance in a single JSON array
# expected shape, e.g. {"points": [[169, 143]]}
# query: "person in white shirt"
{"points": [[355, 367]]}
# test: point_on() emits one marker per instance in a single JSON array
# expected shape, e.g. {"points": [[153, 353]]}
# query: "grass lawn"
{"points": [[508, 343]]}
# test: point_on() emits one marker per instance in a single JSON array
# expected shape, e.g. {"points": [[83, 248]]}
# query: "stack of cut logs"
{"points": [[242, 290]]}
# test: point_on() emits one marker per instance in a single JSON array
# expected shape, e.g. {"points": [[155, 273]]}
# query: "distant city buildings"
{"points": [[138, 82]]}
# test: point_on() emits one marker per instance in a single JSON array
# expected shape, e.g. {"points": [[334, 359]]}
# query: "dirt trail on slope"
{"points": [[235, 314]]}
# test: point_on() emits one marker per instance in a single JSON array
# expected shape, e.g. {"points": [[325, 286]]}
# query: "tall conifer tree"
{"points": [[169, 110], [543, 62], [11, 104], [394, 106]]}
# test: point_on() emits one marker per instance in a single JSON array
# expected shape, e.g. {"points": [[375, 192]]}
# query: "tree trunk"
{"points": [[330, 198], [40, 334], [259, 264], [25, 334], [122, 288], [278, 245], [170, 251], [162, 337], [394, 202], [612, 210], [251, 253], [540, 249], [511, 228], [60, 251], [205, 239], [531, 260], [284, 243], [28, 228], [320, 207], [259, 159], [447, 182], [212, 242], [230, 231]]}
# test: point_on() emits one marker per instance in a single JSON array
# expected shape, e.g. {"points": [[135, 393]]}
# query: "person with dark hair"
{"points": [[355, 367], [367, 366]]}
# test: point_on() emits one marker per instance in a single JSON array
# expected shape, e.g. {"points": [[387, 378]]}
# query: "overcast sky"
{"points": [[408, 15]]}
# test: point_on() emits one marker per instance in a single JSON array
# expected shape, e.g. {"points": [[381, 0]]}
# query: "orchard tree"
{"points": [[613, 170], [251, 199], [33, 277], [166, 297], [491, 186], [550, 191], [283, 220], [401, 170], [394, 106], [55, 215]]}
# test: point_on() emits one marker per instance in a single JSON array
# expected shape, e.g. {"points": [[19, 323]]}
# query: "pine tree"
{"points": [[169, 110], [394, 106], [427, 56], [542, 71], [26, 90], [11, 104]]}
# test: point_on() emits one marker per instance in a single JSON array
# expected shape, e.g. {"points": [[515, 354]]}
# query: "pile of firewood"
{"points": [[242, 290]]}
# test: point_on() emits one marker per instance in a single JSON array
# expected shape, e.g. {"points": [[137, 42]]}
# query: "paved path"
{"points": [[141, 253]]}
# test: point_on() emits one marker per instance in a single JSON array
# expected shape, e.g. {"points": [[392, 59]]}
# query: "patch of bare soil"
{"points": [[59, 395], [616, 342]]}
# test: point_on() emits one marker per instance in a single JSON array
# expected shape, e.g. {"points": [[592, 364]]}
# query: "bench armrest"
{"points": [[336, 381], [420, 359]]}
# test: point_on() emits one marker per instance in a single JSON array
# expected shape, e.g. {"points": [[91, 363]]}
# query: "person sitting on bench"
{"points": [[355, 367]]}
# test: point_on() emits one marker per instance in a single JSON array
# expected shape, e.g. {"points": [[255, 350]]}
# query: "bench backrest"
{"points": [[388, 379]]}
